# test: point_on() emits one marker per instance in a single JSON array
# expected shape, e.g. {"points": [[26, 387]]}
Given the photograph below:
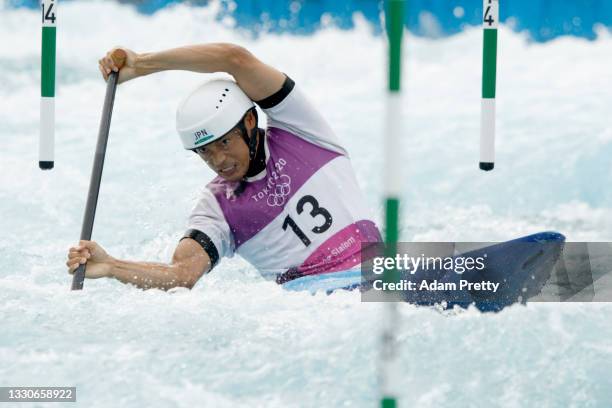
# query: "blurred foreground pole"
{"points": [[96, 174], [47, 85], [394, 19], [490, 22]]}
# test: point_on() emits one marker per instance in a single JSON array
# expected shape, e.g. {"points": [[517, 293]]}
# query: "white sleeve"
{"points": [[289, 109], [208, 219]]}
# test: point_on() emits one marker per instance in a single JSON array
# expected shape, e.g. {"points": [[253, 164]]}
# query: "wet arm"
{"points": [[256, 79], [189, 263]]}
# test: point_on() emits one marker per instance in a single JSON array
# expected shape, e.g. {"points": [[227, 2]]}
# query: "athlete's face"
{"points": [[229, 156]]}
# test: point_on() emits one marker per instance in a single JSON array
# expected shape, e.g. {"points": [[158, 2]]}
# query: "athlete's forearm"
{"points": [[148, 275], [204, 58]]}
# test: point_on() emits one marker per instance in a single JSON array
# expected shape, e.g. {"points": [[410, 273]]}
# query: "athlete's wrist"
{"points": [[146, 63], [111, 269]]}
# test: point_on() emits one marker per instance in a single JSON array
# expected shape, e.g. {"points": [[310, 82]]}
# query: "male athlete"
{"points": [[285, 198]]}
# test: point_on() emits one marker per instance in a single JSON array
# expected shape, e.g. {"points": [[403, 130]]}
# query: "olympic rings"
{"points": [[281, 190]]}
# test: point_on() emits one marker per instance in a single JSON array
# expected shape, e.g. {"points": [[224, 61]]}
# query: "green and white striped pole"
{"points": [[388, 363], [47, 85], [490, 22]]}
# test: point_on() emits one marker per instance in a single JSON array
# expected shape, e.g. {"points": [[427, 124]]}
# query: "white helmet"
{"points": [[210, 111]]}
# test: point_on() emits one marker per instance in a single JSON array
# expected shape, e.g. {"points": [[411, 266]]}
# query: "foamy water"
{"points": [[236, 340]]}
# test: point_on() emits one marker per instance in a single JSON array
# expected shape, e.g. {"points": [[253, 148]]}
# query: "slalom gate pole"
{"points": [[490, 23], [96, 174], [47, 85], [394, 19]]}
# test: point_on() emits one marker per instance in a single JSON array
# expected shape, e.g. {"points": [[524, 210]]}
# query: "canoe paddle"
{"points": [[96, 173]]}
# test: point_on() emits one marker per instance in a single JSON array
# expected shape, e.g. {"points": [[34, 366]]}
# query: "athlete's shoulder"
{"points": [[290, 110], [221, 188]]}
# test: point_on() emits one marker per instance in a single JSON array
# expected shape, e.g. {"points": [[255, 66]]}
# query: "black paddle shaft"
{"points": [[96, 174]]}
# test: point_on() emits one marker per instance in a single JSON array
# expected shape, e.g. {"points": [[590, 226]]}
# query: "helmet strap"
{"points": [[251, 142]]}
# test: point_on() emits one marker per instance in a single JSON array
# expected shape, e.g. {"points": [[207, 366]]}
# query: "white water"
{"points": [[238, 341]]}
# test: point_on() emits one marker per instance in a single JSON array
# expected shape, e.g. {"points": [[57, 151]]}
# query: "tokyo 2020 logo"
{"points": [[281, 190]]}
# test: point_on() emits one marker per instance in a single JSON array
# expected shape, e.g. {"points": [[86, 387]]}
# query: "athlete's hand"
{"points": [[120, 60], [99, 263]]}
